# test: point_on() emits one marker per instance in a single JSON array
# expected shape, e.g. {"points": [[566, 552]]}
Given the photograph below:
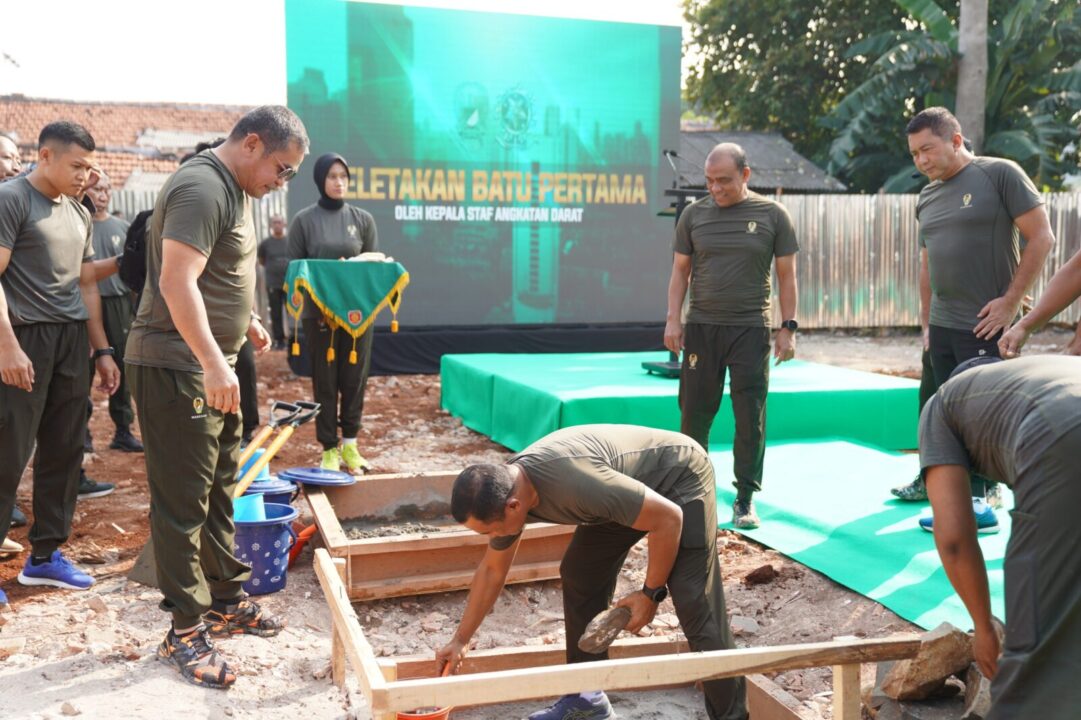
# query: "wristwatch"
{"points": [[655, 594], [103, 351], [791, 325]]}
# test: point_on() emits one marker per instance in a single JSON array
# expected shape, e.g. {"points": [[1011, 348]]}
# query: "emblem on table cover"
{"points": [[355, 316], [296, 299]]}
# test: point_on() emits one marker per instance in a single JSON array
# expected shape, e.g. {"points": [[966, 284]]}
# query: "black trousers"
{"points": [[276, 303], [709, 352], [591, 567], [53, 414], [337, 385], [249, 390]]}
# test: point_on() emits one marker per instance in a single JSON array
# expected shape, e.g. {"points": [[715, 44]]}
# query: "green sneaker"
{"points": [[332, 460], [354, 461]]}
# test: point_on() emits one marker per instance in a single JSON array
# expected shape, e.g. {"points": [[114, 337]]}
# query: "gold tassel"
{"points": [[296, 348], [353, 353], [394, 326], [330, 354], [330, 350]]}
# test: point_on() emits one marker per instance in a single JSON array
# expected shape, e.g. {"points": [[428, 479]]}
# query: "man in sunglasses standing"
{"points": [[195, 314]]}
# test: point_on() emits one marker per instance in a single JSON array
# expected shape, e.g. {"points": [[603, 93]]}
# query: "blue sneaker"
{"points": [[3, 598], [58, 572], [986, 522], [585, 706]]}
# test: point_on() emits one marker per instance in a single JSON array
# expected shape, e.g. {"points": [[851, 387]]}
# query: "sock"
{"points": [[187, 631], [744, 495], [35, 560], [593, 695], [349, 441]]}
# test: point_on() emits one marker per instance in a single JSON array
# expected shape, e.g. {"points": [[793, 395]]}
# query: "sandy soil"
{"points": [[92, 653]]}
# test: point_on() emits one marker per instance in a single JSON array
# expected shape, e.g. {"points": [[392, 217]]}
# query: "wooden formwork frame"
{"points": [[509, 675], [386, 567]]}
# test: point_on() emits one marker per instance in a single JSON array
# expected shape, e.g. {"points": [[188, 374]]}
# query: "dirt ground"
{"points": [[92, 653]]}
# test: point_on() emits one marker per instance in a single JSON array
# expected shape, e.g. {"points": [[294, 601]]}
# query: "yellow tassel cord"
{"points": [[353, 353], [330, 350], [394, 303], [296, 324]]}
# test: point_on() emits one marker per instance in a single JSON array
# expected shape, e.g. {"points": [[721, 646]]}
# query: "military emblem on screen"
{"points": [[471, 111], [752, 226], [515, 111]]}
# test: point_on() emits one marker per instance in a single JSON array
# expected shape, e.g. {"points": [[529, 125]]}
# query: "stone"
{"points": [[977, 694], [943, 652], [744, 625], [97, 604], [760, 576], [432, 627], [69, 710]]}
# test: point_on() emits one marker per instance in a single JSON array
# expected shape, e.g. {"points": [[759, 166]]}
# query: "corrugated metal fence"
{"points": [[859, 258]]}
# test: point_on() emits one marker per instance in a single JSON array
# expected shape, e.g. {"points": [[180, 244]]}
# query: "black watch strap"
{"points": [[104, 351], [655, 594], [790, 325]]}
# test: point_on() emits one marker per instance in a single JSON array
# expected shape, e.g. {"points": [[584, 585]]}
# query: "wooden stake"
{"points": [[846, 692]]}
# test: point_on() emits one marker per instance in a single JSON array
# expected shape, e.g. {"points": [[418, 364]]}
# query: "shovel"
{"points": [[288, 417]]}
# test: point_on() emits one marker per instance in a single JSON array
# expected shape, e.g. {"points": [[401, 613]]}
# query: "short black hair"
{"points": [[68, 133], [940, 120], [201, 146], [732, 150], [480, 492], [276, 125]]}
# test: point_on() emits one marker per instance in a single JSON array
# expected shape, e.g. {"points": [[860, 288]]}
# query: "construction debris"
{"points": [[944, 651], [760, 575]]}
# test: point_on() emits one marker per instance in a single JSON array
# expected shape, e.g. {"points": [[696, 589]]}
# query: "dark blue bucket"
{"points": [[274, 490], [265, 544]]}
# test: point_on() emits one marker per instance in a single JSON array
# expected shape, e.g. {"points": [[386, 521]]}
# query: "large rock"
{"points": [[944, 651], [977, 694]]}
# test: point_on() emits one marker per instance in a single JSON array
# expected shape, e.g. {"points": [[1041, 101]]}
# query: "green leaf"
{"points": [[1013, 144], [931, 16], [902, 181]]}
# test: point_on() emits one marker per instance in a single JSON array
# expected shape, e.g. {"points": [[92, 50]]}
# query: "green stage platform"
{"points": [[827, 505], [516, 399]]}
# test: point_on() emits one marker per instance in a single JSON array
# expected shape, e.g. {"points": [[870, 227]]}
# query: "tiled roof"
{"points": [[121, 130]]}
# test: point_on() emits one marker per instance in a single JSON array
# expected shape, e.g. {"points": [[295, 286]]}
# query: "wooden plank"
{"points": [[846, 692], [454, 538], [411, 667], [383, 495], [766, 700], [329, 527], [344, 621], [400, 586], [631, 673], [337, 645]]}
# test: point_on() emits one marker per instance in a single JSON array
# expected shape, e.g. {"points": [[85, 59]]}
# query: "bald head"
{"points": [[727, 174]]}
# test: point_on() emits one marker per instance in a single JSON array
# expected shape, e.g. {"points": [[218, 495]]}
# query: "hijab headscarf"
{"points": [[322, 169]]}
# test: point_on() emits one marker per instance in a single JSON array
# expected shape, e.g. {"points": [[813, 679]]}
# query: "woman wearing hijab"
{"points": [[331, 229]]}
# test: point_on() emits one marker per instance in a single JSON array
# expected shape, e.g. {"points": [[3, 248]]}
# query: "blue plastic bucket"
{"points": [[249, 508], [274, 490], [264, 474], [265, 544]]}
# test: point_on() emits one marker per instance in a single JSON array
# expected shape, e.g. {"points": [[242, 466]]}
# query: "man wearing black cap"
{"points": [[331, 229]]}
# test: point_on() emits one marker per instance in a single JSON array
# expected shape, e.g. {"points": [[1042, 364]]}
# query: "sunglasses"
{"points": [[285, 172]]}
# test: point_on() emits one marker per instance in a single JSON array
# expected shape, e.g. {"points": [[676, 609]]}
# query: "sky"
{"points": [[229, 52]]}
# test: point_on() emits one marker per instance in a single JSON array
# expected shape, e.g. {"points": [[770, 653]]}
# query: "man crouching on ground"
{"points": [[618, 484]]}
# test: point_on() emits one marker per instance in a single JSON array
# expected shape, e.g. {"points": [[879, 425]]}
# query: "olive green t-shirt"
{"points": [[274, 254], [109, 236], [200, 205], [592, 474], [978, 419], [317, 233], [49, 241], [732, 251], [966, 224]]}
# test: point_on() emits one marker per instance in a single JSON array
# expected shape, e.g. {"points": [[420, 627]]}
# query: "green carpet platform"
{"points": [[827, 505], [516, 399]]}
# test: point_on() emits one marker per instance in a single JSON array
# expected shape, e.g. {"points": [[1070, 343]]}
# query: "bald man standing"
{"points": [[726, 245]]}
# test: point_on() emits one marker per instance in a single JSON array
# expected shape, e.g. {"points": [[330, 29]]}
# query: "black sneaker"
{"points": [[18, 517], [91, 488], [242, 617], [124, 441], [743, 515], [196, 659]]}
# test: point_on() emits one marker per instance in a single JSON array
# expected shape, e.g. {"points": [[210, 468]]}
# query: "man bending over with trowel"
{"points": [[618, 484]]}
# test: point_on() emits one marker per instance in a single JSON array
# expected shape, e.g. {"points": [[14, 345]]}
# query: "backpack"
{"points": [[133, 263]]}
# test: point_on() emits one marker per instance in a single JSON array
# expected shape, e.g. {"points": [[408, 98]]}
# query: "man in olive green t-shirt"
{"points": [[50, 320], [973, 273], [1017, 422], [195, 314], [617, 484], [726, 245]]}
